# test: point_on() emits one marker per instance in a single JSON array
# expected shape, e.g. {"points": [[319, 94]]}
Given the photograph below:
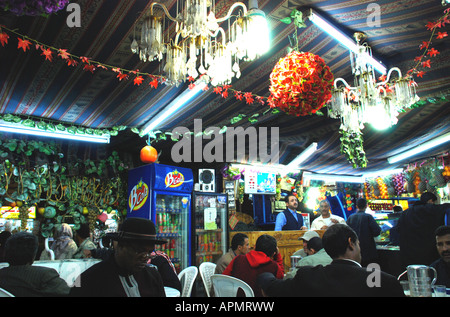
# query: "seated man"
{"points": [[442, 265], [316, 256], [265, 258], [125, 273], [239, 245], [343, 277], [305, 238], [21, 278]]}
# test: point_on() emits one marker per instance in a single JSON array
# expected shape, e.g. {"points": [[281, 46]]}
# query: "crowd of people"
{"points": [[130, 267], [336, 264]]}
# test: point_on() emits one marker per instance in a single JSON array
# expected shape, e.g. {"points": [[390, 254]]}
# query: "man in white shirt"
{"points": [[326, 219]]}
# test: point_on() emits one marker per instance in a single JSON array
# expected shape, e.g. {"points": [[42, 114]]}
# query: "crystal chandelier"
{"points": [[369, 101], [200, 46]]}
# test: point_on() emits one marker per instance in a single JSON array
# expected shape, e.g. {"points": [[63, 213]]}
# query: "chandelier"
{"points": [[369, 101], [201, 47]]}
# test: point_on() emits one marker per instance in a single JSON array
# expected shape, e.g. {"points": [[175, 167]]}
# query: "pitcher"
{"points": [[419, 280]]}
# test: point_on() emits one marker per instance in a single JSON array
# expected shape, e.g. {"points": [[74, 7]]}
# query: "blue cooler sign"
{"points": [[138, 196]]}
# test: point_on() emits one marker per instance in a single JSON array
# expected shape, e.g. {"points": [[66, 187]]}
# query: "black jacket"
{"points": [[367, 229], [416, 227], [102, 280]]}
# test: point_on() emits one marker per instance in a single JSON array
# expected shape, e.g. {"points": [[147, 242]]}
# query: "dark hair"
{"points": [[238, 239], [21, 248], [397, 208], [266, 244], [427, 196], [335, 239], [361, 203], [315, 243], [83, 231], [286, 199], [442, 231]]}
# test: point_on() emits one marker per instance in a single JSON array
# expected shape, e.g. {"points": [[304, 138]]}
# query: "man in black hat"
{"points": [[126, 273]]}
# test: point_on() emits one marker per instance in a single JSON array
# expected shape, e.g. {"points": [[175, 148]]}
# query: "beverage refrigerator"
{"points": [[163, 193], [210, 212]]}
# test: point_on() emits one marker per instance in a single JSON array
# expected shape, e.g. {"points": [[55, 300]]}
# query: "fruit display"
{"points": [[437, 174], [399, 184], [446, 173], [410, 177], [383, 188]]}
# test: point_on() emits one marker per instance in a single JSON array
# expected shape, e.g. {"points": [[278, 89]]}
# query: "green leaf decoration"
{"points": [[286, 20], [28, 123]]}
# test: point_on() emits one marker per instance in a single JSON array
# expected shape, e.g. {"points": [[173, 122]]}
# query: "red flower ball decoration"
{"points": [[300, 84]]}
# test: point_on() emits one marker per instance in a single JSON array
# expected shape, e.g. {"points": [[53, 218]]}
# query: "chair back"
{"points": [[187, 279], [228, 286], [5, 293], [206, 271]]}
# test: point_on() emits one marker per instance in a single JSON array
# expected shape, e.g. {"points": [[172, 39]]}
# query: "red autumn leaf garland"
{"points": [[3, 38], [48, 54], [300, 84], [425, 46], [23, 44]]}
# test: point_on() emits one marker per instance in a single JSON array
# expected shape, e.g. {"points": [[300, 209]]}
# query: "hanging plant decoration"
{"points": [[32, 7], [300, 84]]}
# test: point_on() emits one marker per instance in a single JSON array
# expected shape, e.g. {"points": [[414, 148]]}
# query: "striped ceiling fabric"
{"points": [[31, 86]]}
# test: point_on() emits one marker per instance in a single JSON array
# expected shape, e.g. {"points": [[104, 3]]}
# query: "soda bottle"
{"points": [[159, 222]]}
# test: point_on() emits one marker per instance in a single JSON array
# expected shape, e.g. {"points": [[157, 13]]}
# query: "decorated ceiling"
{"points": [[87, 76]]}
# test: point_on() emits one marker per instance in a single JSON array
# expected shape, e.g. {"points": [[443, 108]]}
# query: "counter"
{"points": [[288, 242]]}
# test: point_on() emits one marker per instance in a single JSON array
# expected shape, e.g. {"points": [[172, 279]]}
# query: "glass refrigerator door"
{"points": [[172, 224], [210, 227]]}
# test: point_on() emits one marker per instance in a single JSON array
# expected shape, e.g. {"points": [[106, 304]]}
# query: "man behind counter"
{"points": [[289, 219]]}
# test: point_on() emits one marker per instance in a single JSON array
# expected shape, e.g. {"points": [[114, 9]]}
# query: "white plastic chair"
{"points": [[228, 286], [206, 271], [187, 279], [5, 293]]}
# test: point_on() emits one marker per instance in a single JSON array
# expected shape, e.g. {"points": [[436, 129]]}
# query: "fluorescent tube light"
{"points": [[333, 177], [303, 156], [383, 173], [331, 30], [420, 148], [174, 106], [20, 129]]}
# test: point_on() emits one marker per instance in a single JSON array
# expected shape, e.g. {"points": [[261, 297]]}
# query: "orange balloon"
{"points": [[149, 154]]}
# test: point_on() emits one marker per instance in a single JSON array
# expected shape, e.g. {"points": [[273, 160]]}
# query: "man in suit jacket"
{"points": [[343, 277], [21, 278], [290, 219]]}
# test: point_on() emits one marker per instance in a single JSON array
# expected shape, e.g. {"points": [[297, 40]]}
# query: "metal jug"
{"points": [[419, 280]]}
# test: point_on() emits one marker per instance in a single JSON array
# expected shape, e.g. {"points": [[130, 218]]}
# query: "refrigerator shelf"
{"points": [[207, 231], [168, 235], [199, 253]]}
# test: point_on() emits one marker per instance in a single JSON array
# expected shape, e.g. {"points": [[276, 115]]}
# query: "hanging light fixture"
{"points": [[200, 46], [369, 101]]}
